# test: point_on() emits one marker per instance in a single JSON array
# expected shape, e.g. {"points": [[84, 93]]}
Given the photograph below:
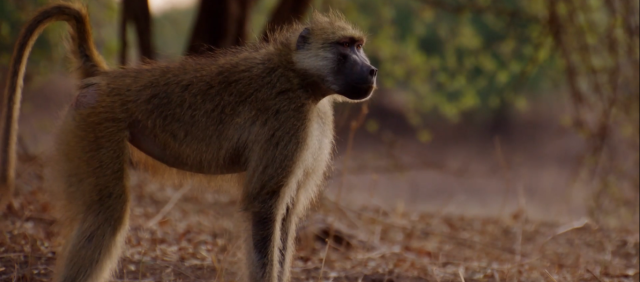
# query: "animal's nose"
{"points": [[373, 72]]}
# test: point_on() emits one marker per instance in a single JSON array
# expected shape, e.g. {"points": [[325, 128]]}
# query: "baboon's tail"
{"points": [[91, 64]]}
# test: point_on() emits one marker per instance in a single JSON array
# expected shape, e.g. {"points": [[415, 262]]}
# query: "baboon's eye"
{"points": [[345, 44], [359, 46]]}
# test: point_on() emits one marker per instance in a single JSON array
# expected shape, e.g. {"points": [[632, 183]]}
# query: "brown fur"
{"points": [[264, 110]]}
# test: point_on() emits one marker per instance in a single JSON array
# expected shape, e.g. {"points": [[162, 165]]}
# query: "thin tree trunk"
{"points": [[219, 24], [136, 11], [242, 21], [212, 27], [287, 12]]}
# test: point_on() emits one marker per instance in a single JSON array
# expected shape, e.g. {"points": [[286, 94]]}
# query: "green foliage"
{"points": [[452, 61], [48, 53], [13, 14], [105, 17]]}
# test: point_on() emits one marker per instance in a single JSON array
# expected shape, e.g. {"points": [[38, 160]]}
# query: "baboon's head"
{"points": [[333, 50]]}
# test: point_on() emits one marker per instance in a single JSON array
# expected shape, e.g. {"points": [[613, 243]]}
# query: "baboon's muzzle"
{"points": [[359, 78]]}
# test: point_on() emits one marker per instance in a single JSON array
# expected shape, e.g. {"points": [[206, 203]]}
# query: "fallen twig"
{"points": [[168, 206]]}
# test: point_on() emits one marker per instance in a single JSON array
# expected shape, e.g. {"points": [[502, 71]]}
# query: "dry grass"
{"points": [[197, 240]]}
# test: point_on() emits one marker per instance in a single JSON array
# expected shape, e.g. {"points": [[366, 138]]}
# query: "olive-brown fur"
{"points": [[264, 110]]}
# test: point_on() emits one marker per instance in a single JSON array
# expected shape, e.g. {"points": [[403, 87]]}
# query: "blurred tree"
{"points": [[598, 43], [237, 18], [137, 12], [287, 12], [219, 24], [234, 15]]}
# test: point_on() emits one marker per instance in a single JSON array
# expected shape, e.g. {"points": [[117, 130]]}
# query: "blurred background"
{"points": [[487, 108]]}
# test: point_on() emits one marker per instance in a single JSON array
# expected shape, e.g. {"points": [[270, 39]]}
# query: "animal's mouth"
{"points": [[363, 85]]}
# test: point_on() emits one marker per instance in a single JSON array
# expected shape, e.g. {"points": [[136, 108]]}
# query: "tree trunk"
{"points": [[138, 12], [287, 12], [242, 21], [219, 24], [223, 23]]}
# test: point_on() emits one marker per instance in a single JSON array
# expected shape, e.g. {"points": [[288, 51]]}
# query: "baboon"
{"points": [[264, 110]]}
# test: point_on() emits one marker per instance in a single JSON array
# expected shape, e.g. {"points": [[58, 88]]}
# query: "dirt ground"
{"points": [[198, 240], [464, 207]]}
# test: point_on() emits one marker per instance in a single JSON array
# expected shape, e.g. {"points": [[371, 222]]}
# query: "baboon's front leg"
{"points": [[308, 189], [262, 239], [266, 199], [266, 242]]}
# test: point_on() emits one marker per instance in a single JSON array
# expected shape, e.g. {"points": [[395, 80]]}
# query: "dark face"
{"points": [[355, 77]]}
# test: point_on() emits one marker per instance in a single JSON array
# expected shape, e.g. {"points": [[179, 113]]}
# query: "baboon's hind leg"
{"points": [[95, 199]]}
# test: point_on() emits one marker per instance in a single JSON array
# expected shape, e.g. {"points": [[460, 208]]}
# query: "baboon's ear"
{"points": [[303, 39]]}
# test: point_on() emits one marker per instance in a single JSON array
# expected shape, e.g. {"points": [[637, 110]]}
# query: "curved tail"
{"points": [[91, 64]]}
